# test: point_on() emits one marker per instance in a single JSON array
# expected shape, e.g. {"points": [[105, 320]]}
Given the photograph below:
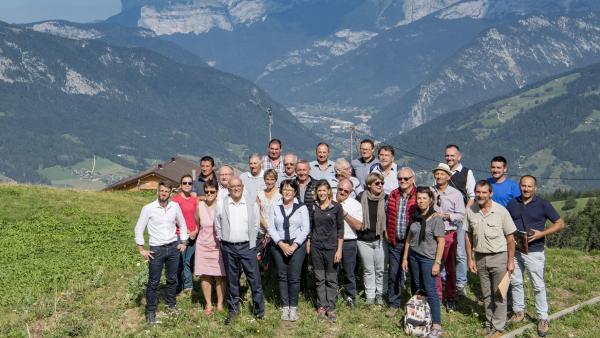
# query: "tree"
{"points": [[570, 203]]}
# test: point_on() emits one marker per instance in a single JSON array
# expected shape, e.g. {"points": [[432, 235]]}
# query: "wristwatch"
{"points": [[184, 242]]}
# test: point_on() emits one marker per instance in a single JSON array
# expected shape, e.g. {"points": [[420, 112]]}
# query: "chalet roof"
{"points": [[171, 170]]}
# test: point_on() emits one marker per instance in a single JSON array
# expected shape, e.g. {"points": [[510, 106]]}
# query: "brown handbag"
{"points": [[521, 238]]}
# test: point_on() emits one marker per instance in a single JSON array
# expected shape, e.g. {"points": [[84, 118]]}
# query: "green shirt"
{"points": [[489, 230]]}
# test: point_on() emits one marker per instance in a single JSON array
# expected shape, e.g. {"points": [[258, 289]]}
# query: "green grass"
{"points": [[70, 267], [581, 202]]}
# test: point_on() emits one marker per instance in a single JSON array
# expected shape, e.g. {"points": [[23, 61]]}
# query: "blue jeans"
{"points": [[234, 255], [186, 267], [533, 262], [461, 257], [289, 270], [422, 279], [164, 256], [396, 275], [349, 255]]}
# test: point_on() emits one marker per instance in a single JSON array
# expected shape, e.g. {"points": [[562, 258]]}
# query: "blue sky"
{"points": [[22, 11]]}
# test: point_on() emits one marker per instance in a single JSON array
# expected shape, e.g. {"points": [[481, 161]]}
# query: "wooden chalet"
{"points": [[148, 179]]}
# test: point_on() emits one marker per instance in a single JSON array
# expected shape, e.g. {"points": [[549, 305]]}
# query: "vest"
{"points": [[226, 228], [459, 182]]}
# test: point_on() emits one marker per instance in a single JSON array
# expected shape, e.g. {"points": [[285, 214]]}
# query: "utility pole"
{"points": [[270, 121], [352, 137]]}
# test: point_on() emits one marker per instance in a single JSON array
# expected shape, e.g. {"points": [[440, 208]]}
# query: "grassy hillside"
{"points": [[70, 268]]}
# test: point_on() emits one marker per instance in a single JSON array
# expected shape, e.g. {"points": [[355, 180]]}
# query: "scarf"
{"points": [[364, 201], [422, 219]]}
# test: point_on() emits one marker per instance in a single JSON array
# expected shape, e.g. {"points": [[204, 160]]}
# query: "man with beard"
{"points": [[162, 217], [490, 253], [207, 172], [504, 188]]}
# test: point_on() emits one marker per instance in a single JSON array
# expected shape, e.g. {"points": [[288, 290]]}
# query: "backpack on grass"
{"points": [[417, 319]]}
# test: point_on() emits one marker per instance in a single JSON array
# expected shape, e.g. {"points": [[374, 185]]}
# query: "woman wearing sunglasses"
{"points": [[371, 243], [423, 251], [209, 262], [188, 204]]}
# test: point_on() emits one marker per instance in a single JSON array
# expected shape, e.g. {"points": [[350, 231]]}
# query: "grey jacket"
{"points": [[223, 228]]}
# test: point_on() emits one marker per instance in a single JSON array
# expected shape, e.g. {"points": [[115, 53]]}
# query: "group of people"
{"points": [[339, 214]]}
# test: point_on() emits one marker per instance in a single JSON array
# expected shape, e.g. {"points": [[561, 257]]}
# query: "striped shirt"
{"points": [[401, 223]]}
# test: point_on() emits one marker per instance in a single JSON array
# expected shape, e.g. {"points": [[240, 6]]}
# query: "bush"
{"points": [[570, 203]]}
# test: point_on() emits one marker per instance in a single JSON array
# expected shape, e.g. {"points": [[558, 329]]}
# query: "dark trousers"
{"points": [[396, 275], [325, 276], [234, 256], [164, 256], [289, 270], [349, 254], [423, 280], [186, 266]]}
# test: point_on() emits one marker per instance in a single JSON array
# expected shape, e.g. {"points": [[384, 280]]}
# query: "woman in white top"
{"points": [[268, 197], [289, 225]]}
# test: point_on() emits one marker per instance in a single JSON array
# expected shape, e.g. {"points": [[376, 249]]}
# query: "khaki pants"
{"points": [[491, 268]]}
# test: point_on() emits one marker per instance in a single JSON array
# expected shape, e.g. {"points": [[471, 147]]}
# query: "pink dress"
{"points": [[208, 261]]}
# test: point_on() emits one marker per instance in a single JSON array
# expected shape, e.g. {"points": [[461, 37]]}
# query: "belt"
{"points": [[165, 245], [237, 243]]}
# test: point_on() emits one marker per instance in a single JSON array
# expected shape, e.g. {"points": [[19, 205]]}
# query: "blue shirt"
{"points": [[535, 214], [299, 223], [505, 191]]}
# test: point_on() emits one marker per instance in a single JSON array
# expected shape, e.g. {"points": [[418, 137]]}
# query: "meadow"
{"points": [[69, 267]]}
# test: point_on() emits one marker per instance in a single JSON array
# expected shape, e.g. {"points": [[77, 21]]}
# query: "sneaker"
{"points": [[293, 313], [173, 311], [391, 312], [486, 330], [542, 327], [332, 316], [379, 300], [285, 313], [435, 333], [321, 313], [460, 290], [450, 305], [151, 318], [260, 317], [370, 301], [350, 302], [517, 317], [495, 334]]}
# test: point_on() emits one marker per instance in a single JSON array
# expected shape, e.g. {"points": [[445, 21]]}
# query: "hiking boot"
{"points": [[542, 327], [517, 317], [451, 305], [151, 318], [370, 301], [173, 311], [486, 330], [321, 313], [293, 313], [350, 302], [460, 290], [391, 312], [379, 300], [495, 334], [285, 313], [435, 333], [332, 316], [230, 317]]}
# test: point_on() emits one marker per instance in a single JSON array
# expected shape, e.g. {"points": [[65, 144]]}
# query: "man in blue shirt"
{"points": [[530, 213], [504, 188]]}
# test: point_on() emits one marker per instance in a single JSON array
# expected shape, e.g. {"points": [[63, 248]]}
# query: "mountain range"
{"points": [[550, 129], [64, 100]]}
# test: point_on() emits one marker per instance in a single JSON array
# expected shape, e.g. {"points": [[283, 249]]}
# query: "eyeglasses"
{"points": [[378, 183], [237, 186], [344, 190], [404, 178], [289, 164], [186, 183], [288, 190], [210, 192]]}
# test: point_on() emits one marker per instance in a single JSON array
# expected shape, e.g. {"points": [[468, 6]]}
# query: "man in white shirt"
{"points": [[161, 217], [236, 226], [387, 167], [253, 179], [352, 222]]}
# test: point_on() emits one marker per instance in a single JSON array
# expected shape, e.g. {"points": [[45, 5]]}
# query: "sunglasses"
{"points": [[438, 201], [378, 183], [186, 183], [404, 178], [210, 192], [344, 190], [289, 164]]}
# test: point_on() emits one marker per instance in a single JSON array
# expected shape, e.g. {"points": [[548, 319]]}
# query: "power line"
{"points": [[401, 148]]}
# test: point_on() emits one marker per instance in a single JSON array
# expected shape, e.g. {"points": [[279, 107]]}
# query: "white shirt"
{"points": [[238, 219], [354, 209], [253, 184], [390, 181], [161, 223]]}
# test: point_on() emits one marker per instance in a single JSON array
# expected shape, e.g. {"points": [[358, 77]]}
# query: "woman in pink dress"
{"points": [[209, 262]]}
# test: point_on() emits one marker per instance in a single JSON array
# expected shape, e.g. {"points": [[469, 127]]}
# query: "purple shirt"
{"points": [[451, 201]]}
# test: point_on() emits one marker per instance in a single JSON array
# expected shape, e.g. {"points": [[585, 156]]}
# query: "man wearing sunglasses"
{"points": [[402, 204], [449, 205]]}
